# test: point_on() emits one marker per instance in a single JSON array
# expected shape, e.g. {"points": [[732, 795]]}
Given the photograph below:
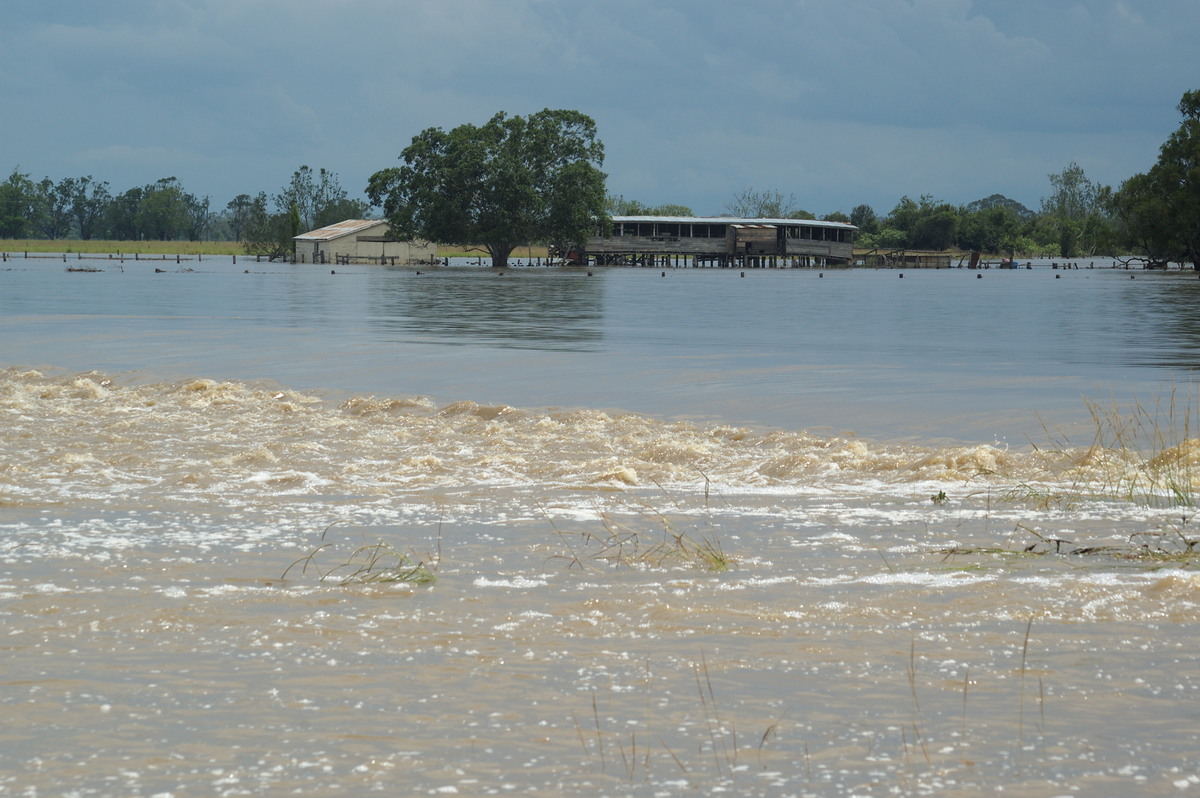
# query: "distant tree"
{"points": [[319, 199], [53, 215], [619, 206], [89, 201], [165, 211], [122, 221], [200, 218], [238, 213], [1000, 201], [1160, 210], [294, 227], [885, 238], [18, 205], [994, 228], [928, 224], [836, 216], [300, 193], [863, 217], [266, 233], [751, 204], [511, 181], [1074, 216]]}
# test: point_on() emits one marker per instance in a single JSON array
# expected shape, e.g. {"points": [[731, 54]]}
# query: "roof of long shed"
{"points": [[731, 220], [338, 230]]}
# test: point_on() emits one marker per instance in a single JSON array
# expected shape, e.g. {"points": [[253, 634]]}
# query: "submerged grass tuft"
{"points": [[366, 564], [646, 538], [1174, 544], [1146, 455]]}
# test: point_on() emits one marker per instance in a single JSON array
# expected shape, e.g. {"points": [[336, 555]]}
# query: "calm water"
{"points": [[888, 466]]}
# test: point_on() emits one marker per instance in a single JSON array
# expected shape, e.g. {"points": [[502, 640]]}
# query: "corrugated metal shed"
{"points": [[338, 230], [360, 241]]}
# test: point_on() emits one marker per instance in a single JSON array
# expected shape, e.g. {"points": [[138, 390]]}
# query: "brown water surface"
{"points": [[622, 604]]}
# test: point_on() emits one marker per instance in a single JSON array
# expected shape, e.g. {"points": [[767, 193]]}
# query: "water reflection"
{"points": [[1167, 324], [559, 310]]}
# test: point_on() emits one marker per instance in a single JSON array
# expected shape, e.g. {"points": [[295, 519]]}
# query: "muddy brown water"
{"points": [[192, 491]]}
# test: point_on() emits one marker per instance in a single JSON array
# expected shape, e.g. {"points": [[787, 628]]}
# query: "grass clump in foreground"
{"points": [[376, 563], [651, 541], [1148, 455]]}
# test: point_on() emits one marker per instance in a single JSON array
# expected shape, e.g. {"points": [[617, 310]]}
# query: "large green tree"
{"points": [[512, 181], [1160, 210]]}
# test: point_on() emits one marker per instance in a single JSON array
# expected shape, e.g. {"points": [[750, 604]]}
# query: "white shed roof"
{"points": [[340, 229]]}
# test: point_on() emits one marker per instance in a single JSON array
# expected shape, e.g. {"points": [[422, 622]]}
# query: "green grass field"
{"points": [[21, 246]]}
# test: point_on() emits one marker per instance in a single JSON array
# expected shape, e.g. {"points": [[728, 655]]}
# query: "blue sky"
{"points": [[837, 102]]}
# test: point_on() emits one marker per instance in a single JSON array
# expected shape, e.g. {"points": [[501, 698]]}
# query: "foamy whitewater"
{"points": [[266, 529]]}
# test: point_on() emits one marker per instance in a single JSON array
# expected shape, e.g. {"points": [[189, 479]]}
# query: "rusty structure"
{"points": [[719, 241]]}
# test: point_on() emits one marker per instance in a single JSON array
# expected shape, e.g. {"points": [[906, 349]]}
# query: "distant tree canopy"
{"points": [[83, 208], [1076, 214], [512, 181], [318, 198], [1074, 221], [751, 204], [1159, 210], [619, 206]]}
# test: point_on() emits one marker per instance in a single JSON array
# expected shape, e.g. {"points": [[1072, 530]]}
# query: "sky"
{"points": [[835, 103]]}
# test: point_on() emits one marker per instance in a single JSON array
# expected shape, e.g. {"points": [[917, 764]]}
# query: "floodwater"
{"points": [[789, 533]]}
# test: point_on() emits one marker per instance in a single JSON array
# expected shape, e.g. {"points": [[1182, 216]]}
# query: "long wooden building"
{"points": [[720, 241]]}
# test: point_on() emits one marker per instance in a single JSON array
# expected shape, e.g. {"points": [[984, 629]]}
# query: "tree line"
{"points": [[492, 186], [519, 180], [84, 208]]}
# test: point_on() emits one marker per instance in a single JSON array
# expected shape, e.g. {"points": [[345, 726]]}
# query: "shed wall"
{"points": [[366, 244]]}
